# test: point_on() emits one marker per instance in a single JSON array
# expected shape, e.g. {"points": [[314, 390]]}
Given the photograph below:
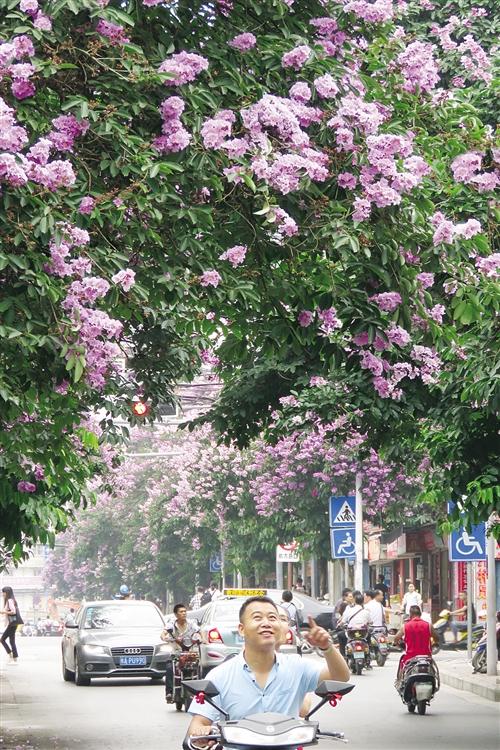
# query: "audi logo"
{"points": [[132, 650]]}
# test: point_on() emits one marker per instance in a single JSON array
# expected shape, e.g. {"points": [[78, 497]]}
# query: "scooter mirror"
{"points": [[202, 686], [327, 687]]}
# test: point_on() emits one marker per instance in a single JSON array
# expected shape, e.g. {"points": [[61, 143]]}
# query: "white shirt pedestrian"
{"points": [[376, 610], [356, 616]]}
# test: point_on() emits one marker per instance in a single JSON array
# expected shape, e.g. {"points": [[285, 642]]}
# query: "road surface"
{"points": [[41, 712]]}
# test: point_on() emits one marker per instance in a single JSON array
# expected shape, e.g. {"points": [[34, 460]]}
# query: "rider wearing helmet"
{"points": [[124, 592]]}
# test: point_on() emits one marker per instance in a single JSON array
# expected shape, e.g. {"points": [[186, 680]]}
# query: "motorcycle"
{"points": [[186, 666], [357, 651], [379, 646], [418, 683], [442, 624], [479, 658], [266, 730]]}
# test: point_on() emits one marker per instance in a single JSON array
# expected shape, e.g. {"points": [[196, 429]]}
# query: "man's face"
{"points": [[261, 626], [411, 588], [182, 615], [379, 597], [349, 598]]}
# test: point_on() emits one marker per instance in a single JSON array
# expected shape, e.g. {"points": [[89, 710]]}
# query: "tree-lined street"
{"points": [[114, 714]]}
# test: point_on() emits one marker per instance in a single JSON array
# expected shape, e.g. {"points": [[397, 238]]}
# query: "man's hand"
{"points": [[318, 637], [200, 726]]}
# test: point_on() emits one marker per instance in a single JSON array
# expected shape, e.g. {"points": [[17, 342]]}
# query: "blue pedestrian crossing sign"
{"points": [[216, 563], [467, 546], [342, 511], [343, 542]]}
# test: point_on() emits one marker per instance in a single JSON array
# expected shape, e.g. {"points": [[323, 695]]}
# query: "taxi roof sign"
{"points": [[245, 592]]}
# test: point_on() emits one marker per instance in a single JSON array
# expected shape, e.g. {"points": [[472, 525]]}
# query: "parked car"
{"points": [[219, 632], [114, 639]]}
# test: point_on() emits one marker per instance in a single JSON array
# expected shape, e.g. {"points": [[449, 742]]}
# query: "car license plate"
{"points": [[132, 661], [359, 655]]}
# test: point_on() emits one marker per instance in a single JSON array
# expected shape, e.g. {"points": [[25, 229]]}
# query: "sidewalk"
{"points": [[457, 673]]}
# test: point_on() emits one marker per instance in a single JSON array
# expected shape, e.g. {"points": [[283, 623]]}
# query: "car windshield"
{"points": [[121, 616], [227, 612]]}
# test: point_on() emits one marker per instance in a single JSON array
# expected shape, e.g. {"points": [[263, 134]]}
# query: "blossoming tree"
{"points": [[287, 190]]}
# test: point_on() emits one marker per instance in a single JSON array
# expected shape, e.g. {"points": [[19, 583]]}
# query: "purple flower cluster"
{"points": [[184, 67], [397, 335], [243, 42], [112, 31], [300, 92], [418, 67], [210, 278], [175, 137], [465, 168], [87, 205], [328, 35], [305, 318], [216, 130], [66, 129], [378, 11], [40, 20], [326, 86], [19, 72], [16, 168], [490, 266], [24, 486], [475, 60], [235, 255], [124, 278], [387, 301], [297, 57], [445, 231], [329, 321]]}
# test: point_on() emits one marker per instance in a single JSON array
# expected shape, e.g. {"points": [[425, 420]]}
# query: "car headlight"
{"points": [[165, 648], [93, 648], [242, 736]]}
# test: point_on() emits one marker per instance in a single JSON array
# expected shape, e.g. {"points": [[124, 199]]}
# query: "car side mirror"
{"points": [[201, 686], [70, 625]]}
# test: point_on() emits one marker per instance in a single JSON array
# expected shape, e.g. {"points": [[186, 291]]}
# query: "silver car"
{"points": [[220, 637], [114, 639]]}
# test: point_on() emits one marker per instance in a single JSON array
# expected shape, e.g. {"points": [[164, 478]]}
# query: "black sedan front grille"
{"points": [[137, 651]]}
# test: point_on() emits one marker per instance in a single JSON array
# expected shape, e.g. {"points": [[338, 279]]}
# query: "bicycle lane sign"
{"points": [[468, 545]]}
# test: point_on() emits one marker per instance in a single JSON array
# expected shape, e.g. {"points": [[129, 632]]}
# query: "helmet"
{"points": [[124, 590]]}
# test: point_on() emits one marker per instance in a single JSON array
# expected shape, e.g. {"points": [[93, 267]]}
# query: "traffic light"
{"points": [[140, 408]]}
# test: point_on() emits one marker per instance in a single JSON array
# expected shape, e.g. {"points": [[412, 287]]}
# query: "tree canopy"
{"points": [[284, 190]]}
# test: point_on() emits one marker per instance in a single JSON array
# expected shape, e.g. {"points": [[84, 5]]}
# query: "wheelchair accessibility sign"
{"points": [[468, 546], [343, 542]]}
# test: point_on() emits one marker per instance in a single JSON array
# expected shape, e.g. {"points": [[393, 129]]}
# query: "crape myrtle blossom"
{"points": [[297, 57], [465, 169], [418, 67], [243, 42], [445, 231], [210, 278], [124, 278], [112, 31], [25, 486], [301, 92], [387, 301], [175, 137], [184, 67], [235, 255], [490, 266], [378, 11], [87, 205], [328, 320], [305, 318], [475, 60]]}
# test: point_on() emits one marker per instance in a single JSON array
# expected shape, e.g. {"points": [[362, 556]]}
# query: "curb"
{"points": [[486, 687]]}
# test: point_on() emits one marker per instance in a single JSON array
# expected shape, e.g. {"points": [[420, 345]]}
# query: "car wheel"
{"points": [[156, 678], [80, 679], [68, 675]]}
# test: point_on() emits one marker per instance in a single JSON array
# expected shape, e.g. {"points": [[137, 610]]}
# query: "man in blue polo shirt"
{"points": [[259, 679]]}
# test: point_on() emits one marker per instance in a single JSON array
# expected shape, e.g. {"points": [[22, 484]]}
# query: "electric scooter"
{"points": [[266, 730]]}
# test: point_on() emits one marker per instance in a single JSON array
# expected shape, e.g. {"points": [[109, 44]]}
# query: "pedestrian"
{"points": [[11, 610], [195, 601], [290, 607], [215, 591], [299, 586], [412, 598], [384, 588], [457, 626], [340, 606]]}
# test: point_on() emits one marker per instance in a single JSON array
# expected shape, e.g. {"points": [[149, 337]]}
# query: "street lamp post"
{"points": [[491, 644], [358, 569]]}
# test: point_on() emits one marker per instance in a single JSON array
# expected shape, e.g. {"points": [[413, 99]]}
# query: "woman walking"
{"points": [[11, 610]]}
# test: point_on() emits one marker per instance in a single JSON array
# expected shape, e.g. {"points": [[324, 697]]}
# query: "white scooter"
{"points": [[266, 730]]}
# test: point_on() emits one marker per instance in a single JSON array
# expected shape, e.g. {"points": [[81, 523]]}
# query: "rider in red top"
{"points": [[418, 636]]}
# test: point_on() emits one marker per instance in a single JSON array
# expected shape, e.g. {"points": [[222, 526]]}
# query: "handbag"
{"points": [[16, 619]]}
